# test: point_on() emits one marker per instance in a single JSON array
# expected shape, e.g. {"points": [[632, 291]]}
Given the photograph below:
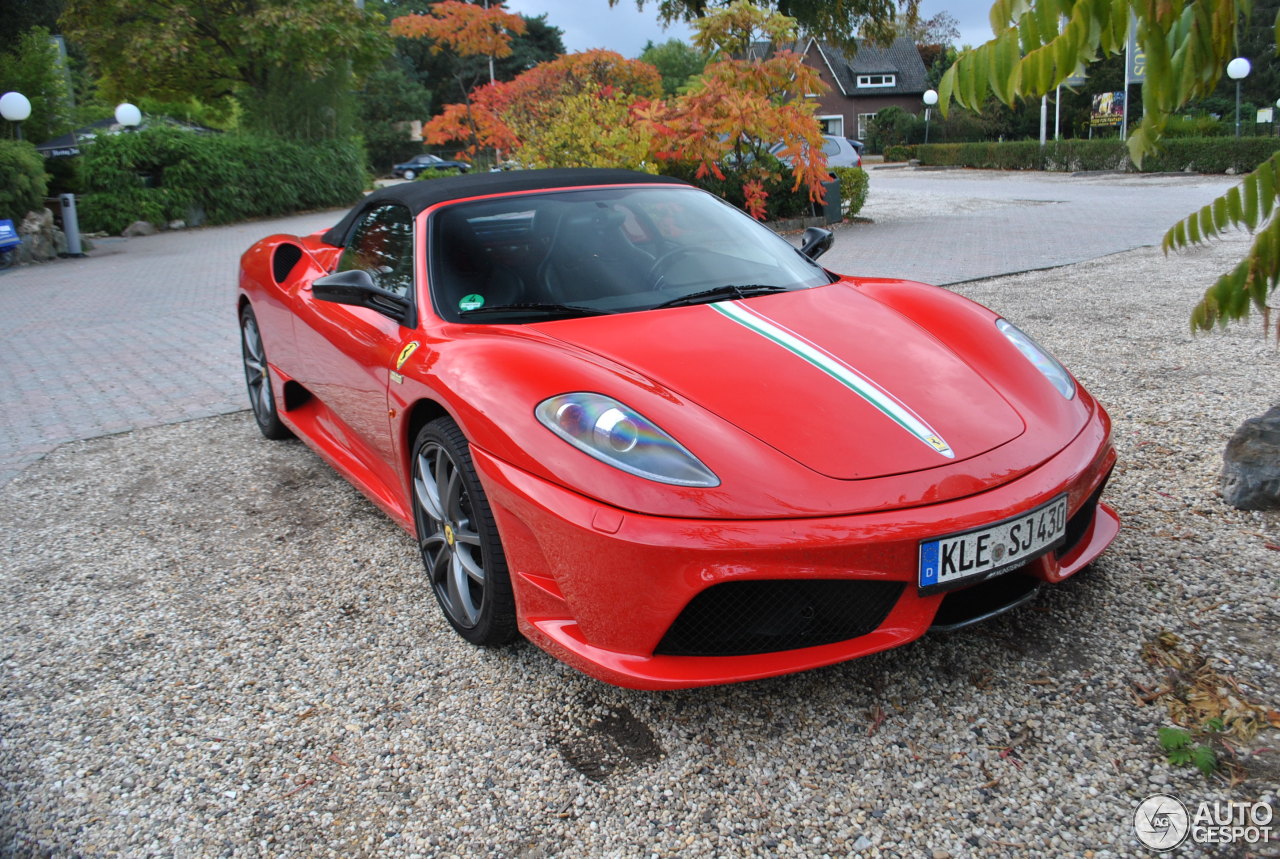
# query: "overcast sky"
{"points": [[593, 24]]}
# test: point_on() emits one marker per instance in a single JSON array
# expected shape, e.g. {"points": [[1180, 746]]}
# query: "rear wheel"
{"points": [[409, 174], [258, 378], [459, 539]]}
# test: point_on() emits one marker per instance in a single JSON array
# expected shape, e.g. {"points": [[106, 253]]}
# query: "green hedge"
{"points": [[853, 187], [23, 182], [899, 152], [1177, 155], [166, 174]]}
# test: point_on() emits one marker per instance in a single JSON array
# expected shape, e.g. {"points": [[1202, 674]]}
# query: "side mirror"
{"points": [[816, 242], [357, 288]]}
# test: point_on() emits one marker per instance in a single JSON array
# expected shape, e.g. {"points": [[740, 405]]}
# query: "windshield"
{"points": [[535, 257]]}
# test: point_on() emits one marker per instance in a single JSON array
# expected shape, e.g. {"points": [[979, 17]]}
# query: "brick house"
{"points": [[873, 79]]}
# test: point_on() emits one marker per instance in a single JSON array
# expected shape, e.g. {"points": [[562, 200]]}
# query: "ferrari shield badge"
{"points": [[406, 352]]}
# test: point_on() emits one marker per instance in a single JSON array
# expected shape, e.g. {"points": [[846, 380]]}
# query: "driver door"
{"points": [[346, 353]]}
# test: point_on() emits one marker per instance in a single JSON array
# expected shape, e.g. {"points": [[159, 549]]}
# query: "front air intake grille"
{"points": [[741, 618]]}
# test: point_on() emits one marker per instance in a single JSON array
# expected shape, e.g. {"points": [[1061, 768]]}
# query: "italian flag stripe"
{"points": [[886, 403]]}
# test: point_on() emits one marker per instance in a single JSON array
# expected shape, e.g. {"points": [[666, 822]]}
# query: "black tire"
{"points": [[458, 538], [258, 378], [409, 174]]}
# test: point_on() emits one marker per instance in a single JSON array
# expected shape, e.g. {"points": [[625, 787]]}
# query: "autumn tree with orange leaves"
{"points": [[742, 106], [469, 32], [596, 109], [574, 111]]}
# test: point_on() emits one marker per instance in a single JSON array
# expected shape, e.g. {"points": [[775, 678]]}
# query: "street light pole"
{"points": [[930, 99], [1238, 69]]}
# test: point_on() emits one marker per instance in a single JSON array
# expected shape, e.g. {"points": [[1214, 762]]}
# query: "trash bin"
{"points": [[71, 225], [832, 210]]}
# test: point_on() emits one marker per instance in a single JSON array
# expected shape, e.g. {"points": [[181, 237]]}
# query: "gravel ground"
{"points": [[214, 646]]}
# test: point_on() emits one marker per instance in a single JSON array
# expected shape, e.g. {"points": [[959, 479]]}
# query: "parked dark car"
{"points": [[419, 164]]}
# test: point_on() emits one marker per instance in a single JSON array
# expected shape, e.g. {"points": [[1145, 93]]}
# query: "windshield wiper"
{"points": [[546, 309], [742, 290]]}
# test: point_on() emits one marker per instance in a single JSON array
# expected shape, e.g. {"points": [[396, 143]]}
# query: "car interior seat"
{"points": [[590, 256]]}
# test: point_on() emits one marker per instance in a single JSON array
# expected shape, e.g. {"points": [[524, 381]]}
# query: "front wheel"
{"points": [[458, 538], [257, 378]]}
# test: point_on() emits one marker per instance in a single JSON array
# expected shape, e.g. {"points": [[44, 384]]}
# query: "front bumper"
{"points": [[602, 589]]}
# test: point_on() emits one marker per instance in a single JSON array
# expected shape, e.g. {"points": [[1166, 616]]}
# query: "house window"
{"points": [[877, 80], [833, 124], [864, 125]]}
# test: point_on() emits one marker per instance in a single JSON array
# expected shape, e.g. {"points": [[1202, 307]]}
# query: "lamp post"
{"points": [[1238, 70], [930, 99], [15, 107], [128, 115]]}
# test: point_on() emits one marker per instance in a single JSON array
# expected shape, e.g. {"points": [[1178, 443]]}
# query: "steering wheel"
{"points": [[657, 271]]}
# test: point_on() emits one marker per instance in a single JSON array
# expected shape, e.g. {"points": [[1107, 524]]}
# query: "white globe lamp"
{"points": [[1238, 69], [930, 99], [15, 107], [128, 115]]}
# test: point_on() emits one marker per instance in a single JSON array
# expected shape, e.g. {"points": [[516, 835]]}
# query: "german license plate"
{"points": [[984, 552]]}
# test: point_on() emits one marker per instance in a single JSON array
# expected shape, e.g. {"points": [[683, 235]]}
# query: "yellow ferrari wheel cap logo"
{"points": [[448, 534], [408, 350]]}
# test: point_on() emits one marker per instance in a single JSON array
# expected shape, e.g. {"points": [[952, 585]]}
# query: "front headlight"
{"points": [[604, 428], [1044, 362]]}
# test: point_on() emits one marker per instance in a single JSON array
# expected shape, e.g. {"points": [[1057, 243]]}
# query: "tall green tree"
{"points": [[32, 67], [288, 62], [1188, 43], [19, 16], [391, 96], [678, 62], [838, 21], [439, 70]]}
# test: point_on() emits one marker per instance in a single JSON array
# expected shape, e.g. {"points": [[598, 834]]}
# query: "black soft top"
{"points": [[417, 196]]}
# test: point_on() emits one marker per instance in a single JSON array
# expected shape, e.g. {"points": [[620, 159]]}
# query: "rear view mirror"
{"points": [[816, 242], [357, 288]]}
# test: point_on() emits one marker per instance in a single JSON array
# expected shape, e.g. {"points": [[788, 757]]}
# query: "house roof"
{"points": [[901, 59]]}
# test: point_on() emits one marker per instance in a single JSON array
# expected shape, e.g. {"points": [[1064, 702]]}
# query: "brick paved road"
{"points": [[143, 333], [949, 226]]}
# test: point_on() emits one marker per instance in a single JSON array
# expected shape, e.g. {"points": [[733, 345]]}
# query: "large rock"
{"points": [[37, 233], [139, 228], [1251, 464]]}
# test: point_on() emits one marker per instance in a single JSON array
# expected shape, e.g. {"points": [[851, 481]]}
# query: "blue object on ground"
{"points": [[8, 235]]}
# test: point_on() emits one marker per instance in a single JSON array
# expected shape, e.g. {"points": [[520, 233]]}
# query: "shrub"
{"points": [[853, 187], [893, 126], [899, 152], [1211, 155], [164, 174], [23, 182], [1186, 154]]}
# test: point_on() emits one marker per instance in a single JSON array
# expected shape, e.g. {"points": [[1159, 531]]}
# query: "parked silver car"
{"points": [[840, 151]]}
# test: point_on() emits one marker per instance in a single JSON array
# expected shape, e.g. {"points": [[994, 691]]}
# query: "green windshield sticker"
{"points": [[471, 302]]}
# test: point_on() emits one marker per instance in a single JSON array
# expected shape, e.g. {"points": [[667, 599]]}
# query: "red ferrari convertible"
{"points": [[625, 420]]}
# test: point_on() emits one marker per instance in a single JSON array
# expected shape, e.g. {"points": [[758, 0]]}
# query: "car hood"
{"points": [[832, 378]]}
